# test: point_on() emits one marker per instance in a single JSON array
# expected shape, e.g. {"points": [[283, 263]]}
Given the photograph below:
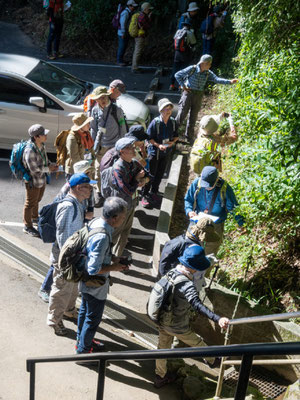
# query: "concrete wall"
{"points": [[222, 300]]}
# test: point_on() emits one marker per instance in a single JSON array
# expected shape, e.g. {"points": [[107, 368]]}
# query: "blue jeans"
{"points": [[55, 31], [47, 284], [207, 46], [122, 46], [89, 317]]}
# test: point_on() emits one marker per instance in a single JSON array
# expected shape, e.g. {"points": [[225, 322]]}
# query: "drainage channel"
{"points": [[265, 384], [117, 315]]}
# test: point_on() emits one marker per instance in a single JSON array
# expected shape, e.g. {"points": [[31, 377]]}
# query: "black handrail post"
{"points": [[31, 370], [101, 379], [244, 375]]}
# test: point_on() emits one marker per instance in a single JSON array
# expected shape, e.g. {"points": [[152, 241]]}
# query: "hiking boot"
{"points": [[44, 295], [160, 382], [172, 87], [60, 329], [212, 364], [146, 202], [51, 57], [35, 221], [71, 314], [30, 230], [122, 64]]}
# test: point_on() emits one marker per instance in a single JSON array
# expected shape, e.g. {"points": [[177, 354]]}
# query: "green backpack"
{"points": [[72, 257]]}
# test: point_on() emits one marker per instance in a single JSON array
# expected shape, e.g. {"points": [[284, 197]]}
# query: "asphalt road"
{"points": [[14, 41]]}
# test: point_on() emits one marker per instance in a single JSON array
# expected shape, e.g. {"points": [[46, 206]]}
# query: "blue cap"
{"points": [[124, 142], [209, 176], [194, 257], [78, 179]]}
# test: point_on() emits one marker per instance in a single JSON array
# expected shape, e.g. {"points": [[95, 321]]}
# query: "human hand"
{"points": [[162, 147], [141, 174], [89, 215], [192, 214], [120, 267], [223, 322], [53, 167], [186, 89], [233, 81]]}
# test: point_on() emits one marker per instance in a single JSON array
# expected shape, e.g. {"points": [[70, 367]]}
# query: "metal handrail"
{"points": [[265, 318], [247, 351]]}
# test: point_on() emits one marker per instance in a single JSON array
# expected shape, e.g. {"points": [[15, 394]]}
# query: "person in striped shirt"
{"points": [[193, 80]]}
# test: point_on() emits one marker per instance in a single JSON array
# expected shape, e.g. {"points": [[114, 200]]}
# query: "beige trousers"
{"points": [[62, 298], [120, 234], [213, 247], [165, 340], [139, 44]]}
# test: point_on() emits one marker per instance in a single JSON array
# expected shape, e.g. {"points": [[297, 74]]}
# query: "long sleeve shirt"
{"points": [[124, 179], [193, 78], [67, 223], [35, 159], [185, 297], [98, 255], [124, 21], [203, 199], [113, 123]]}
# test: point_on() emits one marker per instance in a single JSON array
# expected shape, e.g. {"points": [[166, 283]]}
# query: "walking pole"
{"points": [[211, 281], [229, 330]]}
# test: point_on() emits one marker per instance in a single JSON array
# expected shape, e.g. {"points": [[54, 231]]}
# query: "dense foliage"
{"points": [[264, 166]]}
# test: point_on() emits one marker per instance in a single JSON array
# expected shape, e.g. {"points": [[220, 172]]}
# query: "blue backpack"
{"points": [[47, 222], [207, 25], [16, 161]]}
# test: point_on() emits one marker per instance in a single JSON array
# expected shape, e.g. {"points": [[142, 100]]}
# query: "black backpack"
{"points": [[47, 222]]}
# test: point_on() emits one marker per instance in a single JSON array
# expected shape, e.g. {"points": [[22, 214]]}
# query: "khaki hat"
{"points": [[83, 166], [146, 6], [164, 103], [80, 120], [99, 92], [209, 124], [203, 230]]}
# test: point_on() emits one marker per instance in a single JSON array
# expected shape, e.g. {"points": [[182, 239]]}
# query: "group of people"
{"points": [[106, 163]]}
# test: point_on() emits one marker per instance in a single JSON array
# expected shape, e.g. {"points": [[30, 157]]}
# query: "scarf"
{"points": [[86, 140]]}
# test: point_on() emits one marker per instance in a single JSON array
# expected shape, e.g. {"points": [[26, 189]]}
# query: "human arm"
{"points": [[231, 203], [189, 199], [124, 179], [34, 161], [182, 75], [123, 22], [220, 81], [121, 122], [73, 151], [97, 249]]}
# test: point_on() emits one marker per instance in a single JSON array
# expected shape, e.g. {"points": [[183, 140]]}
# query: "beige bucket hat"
{"points": [[80, 120]]}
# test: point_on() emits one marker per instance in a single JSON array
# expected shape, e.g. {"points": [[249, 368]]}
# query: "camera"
{"points": [[126, 260]]}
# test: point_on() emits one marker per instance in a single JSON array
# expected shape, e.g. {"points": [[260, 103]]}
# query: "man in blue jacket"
{"points": [[123, 35], [193, 80], [213, 196], [100, 261]]}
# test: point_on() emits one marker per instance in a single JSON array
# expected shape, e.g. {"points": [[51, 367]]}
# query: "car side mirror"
{"points": [[38, 102]]}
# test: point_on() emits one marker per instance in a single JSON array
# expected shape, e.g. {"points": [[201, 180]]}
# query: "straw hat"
{"points": [[80, 120]]}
